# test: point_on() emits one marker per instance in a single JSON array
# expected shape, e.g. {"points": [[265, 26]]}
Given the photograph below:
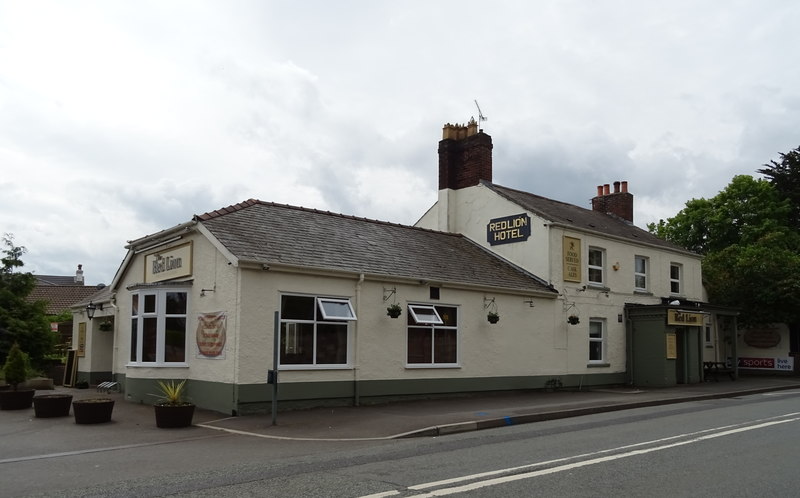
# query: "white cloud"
{"points": [[119, 119]]}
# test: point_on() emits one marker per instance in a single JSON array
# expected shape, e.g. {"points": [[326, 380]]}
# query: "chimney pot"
{"points": [[465, 156], [619, 204], [79, 275]]}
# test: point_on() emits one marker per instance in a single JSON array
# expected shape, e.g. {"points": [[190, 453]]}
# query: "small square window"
{"points": [[424, 314], [335, 309], [434, 293]]}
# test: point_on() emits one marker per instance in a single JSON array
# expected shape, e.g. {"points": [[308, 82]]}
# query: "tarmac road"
{"points": [[40, 456]]}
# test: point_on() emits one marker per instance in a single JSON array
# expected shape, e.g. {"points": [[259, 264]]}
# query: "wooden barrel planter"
{"points": [[16, 400], [92, 410], [174, 416], [51, 405]]}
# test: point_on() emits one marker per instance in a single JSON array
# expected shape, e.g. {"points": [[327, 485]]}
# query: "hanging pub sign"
{"points": [[169, 263], [678, 317], [516, 228]]}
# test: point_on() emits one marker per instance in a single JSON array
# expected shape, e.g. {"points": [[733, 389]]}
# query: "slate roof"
{"points": [[60, 297], [581, 218], [270, 233], [55, 280]]}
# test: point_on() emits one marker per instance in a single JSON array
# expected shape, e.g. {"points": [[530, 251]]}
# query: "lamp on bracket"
{"points": [[90, 309]]}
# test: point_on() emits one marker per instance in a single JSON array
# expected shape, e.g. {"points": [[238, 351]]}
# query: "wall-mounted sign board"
{"points": [[166, 264], [516, 228], [571, 248]]}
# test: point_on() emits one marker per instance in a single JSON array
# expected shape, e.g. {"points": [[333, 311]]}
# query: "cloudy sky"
{"points": [[119, 119]]}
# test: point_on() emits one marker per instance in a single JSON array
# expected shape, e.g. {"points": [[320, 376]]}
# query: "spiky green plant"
{"points": [[171, 392]]}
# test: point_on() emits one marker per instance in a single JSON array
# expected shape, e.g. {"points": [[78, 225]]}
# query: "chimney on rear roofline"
{"points": [[618, 203]]}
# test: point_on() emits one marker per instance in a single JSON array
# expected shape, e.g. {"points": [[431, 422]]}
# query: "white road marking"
{"points": [[781, 393], [693, 437]]}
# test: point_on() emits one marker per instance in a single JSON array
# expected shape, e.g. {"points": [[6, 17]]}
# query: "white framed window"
{"points": [[424, 314], [597, 337], [315, 331], [640, 269], [158, 326], [675, 274], [336, 309], [596, 266], [431, 343]]}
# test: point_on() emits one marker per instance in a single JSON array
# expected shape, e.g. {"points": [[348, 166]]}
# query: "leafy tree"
{"points": [[21, 321], [762, 279], [746, 210], [785, 177], [752, 251]]}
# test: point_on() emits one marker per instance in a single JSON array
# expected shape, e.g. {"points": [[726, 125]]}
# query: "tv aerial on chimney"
{"points": [[481, 117]]}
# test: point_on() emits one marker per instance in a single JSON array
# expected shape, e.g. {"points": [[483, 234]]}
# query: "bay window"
{"points": [[158, 326]]}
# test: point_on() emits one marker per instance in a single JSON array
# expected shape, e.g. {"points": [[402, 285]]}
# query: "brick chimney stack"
{"points": [[618, 203], [465, 156]]}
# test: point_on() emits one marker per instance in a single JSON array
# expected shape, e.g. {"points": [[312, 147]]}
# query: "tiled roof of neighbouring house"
{"points": [[61, 297], [55, 280], [280, 234]]}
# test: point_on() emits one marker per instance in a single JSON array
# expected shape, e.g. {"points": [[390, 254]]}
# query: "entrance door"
{"points": [[680, 363], [688, 366]]}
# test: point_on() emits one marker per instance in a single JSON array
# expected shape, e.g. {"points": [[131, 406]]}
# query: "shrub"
{"points": [[15, 369]]}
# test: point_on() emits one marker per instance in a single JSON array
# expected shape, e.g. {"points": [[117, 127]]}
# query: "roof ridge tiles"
{"points": [[225, 210], [252, 202], [495, 186]]}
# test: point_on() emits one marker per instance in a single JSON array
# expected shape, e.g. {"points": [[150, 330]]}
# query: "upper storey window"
{"points": [[596, 266]]}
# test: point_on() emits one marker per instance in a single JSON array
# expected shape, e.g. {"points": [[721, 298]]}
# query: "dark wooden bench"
{"points": [[712, 369]]}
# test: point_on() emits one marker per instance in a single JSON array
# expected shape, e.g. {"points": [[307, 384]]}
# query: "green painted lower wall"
{"points": [[93, 378], [257, 398], [216, 396]]}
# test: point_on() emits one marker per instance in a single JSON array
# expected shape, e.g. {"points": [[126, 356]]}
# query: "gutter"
{"points": [[317, 271], [627, 240]]}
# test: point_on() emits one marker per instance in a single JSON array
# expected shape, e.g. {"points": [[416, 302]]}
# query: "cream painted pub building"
{"points": [[576, 290]]}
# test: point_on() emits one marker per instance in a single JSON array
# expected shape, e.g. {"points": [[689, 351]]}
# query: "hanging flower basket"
{"points": [[573, 320], [107, 326], [493, 317], [394, 310]]}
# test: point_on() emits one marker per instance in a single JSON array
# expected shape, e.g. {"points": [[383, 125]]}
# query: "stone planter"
{"points": [[52, 405], [93, 410], [174, 416], [16, 400]]}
